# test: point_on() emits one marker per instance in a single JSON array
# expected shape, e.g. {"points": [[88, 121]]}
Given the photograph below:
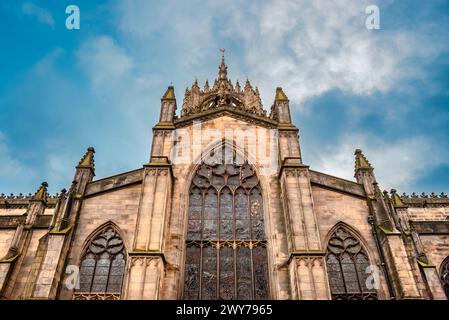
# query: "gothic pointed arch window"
{"points": [[102, 267], [444, 274], [226, 249], [347, 263]]}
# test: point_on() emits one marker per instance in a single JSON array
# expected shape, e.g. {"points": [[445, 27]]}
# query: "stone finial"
{"points": [[195, 84], [397, 201], [41, 193], [280, 95], [223, 94], [248, 85], [223, 68], [169, 94], [360, 161], [87, 161]]}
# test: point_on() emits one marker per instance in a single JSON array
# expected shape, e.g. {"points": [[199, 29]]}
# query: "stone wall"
{"points": [[334, 207], [428, 213], [274, 219], [436, 247], [26, 264], [119, 206], [6, 236]]}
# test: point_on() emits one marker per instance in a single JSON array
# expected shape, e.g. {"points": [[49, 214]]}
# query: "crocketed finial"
{"points": [[87, 161]]}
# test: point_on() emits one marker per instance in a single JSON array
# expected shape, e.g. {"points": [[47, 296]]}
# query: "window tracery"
{"points": [[226, 254], [102, 267], [347, 263]]}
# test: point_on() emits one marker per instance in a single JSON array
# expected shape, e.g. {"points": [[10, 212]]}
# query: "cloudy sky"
{"points": [[385, 91]]}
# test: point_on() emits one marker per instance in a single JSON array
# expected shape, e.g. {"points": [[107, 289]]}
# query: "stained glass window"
{"points": [[347, 264], [102, 266], [444, 272], [226, 254]]}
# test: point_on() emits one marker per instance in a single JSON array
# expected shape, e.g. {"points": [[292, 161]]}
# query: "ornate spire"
{"points": [[222, 94], [41, 193], [248, 85], [222, 69], [280, 95], [195, 83], [237, 87], [87, 161], [169, 94], [360, 161], [397, 201]]}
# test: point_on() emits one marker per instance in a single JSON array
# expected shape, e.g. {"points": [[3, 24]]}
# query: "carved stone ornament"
{"points": [[222, 93]]}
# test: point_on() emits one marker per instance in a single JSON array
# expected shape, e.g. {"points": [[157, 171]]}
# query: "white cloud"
{"points": [[42, 15], [308, 47], [185, 29], [124, 96], [311, 47], [396, 164], [104, 61]]}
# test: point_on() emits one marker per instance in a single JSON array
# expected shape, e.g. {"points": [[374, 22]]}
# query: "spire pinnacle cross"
{"points": [[223, 69]]}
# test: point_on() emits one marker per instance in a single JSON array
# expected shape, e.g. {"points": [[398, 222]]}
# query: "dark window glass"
{"points": [[209, 274], [226, 254], [227, 276], [226, 218], [347, 264], [192, 269], [244, 274], [103, 264]]}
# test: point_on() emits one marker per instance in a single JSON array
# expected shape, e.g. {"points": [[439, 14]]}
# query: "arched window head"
{"points": [[226, 254], [347, 267], [102, 267], [444, 273]]}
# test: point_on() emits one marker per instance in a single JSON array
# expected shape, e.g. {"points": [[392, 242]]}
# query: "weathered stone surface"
{"points": [[148, 209]]}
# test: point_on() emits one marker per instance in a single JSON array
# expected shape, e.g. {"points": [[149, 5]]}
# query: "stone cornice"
{"points": [[164, 126], [335, 183], [287, 127], [225, 111], [114, 182], [13, 221]]}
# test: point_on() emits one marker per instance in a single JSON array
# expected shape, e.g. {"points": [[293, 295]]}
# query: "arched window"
{"points": [[226, 254], [347, 264], [444, 273], [102, 267]]}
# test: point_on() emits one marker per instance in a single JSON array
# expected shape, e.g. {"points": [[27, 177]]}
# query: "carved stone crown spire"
{"points": [[223, 94]]}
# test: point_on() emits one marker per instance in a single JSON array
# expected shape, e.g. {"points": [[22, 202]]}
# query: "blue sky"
{"points": [[385, 91]]}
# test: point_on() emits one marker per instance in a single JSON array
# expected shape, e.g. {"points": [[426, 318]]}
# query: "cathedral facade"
{"points": [[225, 208]]}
